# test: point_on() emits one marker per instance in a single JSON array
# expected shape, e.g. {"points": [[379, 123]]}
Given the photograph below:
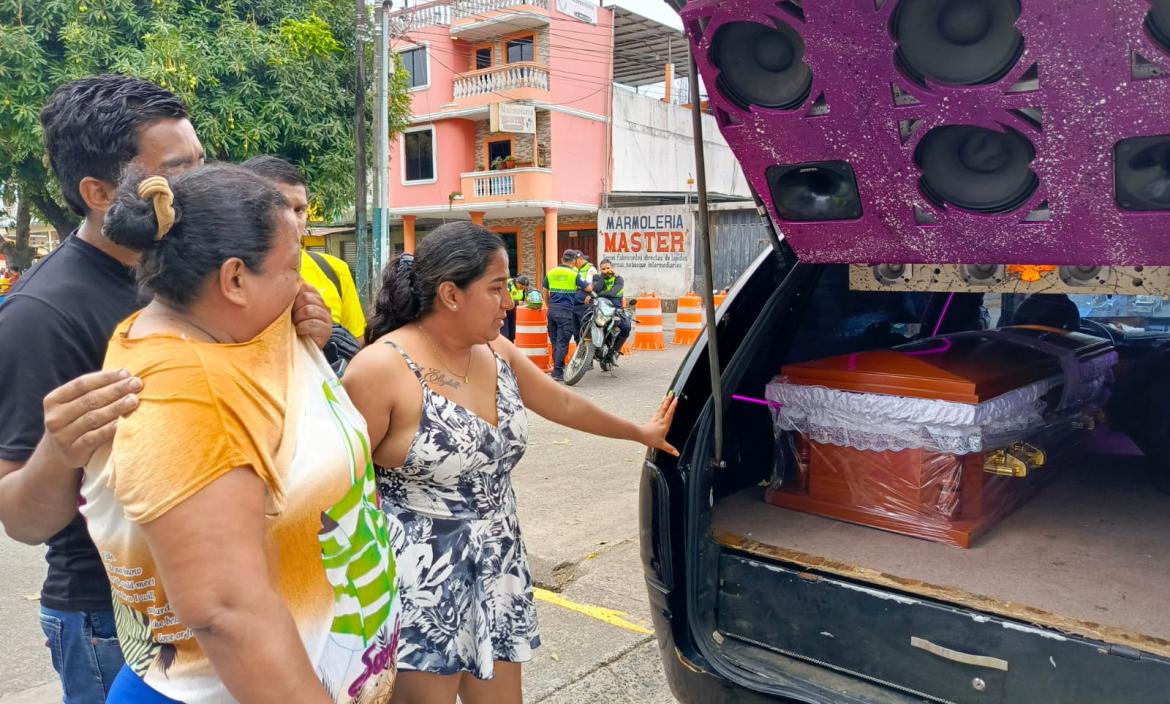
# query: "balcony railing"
{"points": [[525, 183], [494, 185], [471, 8], [501, 78], [428, 15]]}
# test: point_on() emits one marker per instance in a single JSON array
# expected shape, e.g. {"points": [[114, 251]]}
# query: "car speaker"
{"points": [[976, 169], [890, 274], [973, 130], [1158, 24], [816, 191], [980, 274], [761, 65], [1087, 275], [957, 42], [1141, 168]]}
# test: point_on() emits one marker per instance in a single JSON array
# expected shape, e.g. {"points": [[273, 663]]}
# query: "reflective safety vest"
{"points": [[517, 292], [608, 290], [562, 285], [587, 272]]}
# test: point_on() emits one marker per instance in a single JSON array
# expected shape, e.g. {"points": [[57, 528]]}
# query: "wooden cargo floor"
{"points": [[1090, 554]]}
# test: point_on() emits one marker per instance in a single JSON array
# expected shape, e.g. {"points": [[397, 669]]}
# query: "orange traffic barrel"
{"points": [[532, 336], [719, 298], [571, 352], [648, 331], [690, 319]]}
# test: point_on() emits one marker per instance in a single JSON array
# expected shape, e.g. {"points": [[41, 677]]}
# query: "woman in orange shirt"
{"points": [[236, 512]]}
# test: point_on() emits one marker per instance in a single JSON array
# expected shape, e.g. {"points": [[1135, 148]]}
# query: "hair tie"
{"points": [[159, 191]]}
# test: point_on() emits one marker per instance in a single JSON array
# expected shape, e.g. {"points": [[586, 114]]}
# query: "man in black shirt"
{"points": [[54, 326]]}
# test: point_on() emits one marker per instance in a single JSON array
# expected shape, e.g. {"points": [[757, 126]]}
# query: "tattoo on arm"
{"points": [[436, 378]]}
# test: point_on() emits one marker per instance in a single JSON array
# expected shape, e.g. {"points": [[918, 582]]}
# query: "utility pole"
{"points": [[386, 68], [365, 270]]}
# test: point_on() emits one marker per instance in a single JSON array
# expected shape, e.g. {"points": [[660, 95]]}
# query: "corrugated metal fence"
{"points": [[737, 238]]}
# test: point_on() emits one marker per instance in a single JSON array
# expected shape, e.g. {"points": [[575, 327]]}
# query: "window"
{"points": [[500, 149], [419, 155], [483, 58], [415, 63], [521, 49]]}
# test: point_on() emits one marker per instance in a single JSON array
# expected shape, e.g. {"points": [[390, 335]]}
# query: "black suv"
{"points": [[1063, 601]]}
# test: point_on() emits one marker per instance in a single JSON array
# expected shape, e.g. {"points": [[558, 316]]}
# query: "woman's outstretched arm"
{"points": [[556, 403]]}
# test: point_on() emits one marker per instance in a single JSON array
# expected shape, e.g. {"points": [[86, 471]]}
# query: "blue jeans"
{"points": [[86, 656]]}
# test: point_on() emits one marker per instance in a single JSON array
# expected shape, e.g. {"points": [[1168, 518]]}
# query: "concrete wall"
{"points": [[653, 149]]}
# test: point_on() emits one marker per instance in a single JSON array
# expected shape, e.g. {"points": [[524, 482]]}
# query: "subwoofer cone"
{"points": [[816, 191], [1158, 24], [957, 42], [1142, 173], [976, 169], [761, 65]]}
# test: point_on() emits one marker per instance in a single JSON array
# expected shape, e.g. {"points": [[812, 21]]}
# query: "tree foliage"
{"points": [[259, 77]]}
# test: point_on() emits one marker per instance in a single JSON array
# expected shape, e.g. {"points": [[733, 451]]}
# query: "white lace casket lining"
{"points": [[866, 421]]}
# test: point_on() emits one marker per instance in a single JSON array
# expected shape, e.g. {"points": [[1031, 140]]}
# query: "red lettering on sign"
{"points": [[662, 241], [636, 242], [677, 243], [611, 242]]}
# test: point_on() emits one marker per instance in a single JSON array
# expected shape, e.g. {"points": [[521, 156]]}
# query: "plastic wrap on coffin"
{"points": [[938, 446]]}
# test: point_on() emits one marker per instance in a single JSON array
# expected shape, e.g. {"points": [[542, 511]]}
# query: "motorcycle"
{"points": [[597, 338]]}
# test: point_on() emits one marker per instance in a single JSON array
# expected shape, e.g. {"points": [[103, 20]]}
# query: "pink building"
{"points": [[513, 126]]}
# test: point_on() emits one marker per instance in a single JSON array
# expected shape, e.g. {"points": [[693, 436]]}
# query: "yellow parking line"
{"points": [[610, 616]]}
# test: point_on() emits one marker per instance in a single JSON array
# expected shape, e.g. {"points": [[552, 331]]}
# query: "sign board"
{"points": [[512, 117], [578, 9], [652, 248]]}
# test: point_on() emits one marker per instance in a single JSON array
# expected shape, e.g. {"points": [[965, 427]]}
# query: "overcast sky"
{"points": [[654, 9]]}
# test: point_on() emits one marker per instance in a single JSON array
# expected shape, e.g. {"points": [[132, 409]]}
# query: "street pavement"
{"points": [[578, 498]]}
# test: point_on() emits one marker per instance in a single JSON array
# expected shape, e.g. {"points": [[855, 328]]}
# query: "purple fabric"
{"points": [[1089, 101]]}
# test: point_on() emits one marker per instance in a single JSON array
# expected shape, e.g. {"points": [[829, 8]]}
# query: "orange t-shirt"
{"points": [[273, 405]]}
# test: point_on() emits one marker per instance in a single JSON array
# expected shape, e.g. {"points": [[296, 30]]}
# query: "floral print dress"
{"points": [[463, 571]]}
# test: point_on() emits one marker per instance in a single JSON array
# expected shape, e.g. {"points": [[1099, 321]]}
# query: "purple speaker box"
{"points": [[956, 131]]}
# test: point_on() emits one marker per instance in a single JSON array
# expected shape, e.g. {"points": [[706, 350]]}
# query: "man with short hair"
{"points": [[54, 327], [562, 285], [607, 284], [326, 273]]}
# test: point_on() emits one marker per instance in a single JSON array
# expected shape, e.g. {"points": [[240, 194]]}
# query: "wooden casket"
{"points": [[941, 438]]}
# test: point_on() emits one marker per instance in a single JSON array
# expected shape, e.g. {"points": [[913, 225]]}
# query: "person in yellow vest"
{"points": [[518, 289], [562, 285], [327, 274], [586, 271]]}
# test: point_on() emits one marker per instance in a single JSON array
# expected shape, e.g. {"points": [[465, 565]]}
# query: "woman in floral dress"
{"points": [[444, 396]]}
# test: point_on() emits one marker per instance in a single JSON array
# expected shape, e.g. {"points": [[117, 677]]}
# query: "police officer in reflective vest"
{"points": [[518, 289], [586, 271], [562, 285], [608, 284]]}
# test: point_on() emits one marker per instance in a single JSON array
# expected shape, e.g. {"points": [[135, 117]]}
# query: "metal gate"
{"points": [[737, 238]]}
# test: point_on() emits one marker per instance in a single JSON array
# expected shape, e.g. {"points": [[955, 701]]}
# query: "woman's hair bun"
{"points": [[132, 221]]}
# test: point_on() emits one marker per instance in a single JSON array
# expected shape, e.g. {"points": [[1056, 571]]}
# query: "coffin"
{"points": [[938, 439]]}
